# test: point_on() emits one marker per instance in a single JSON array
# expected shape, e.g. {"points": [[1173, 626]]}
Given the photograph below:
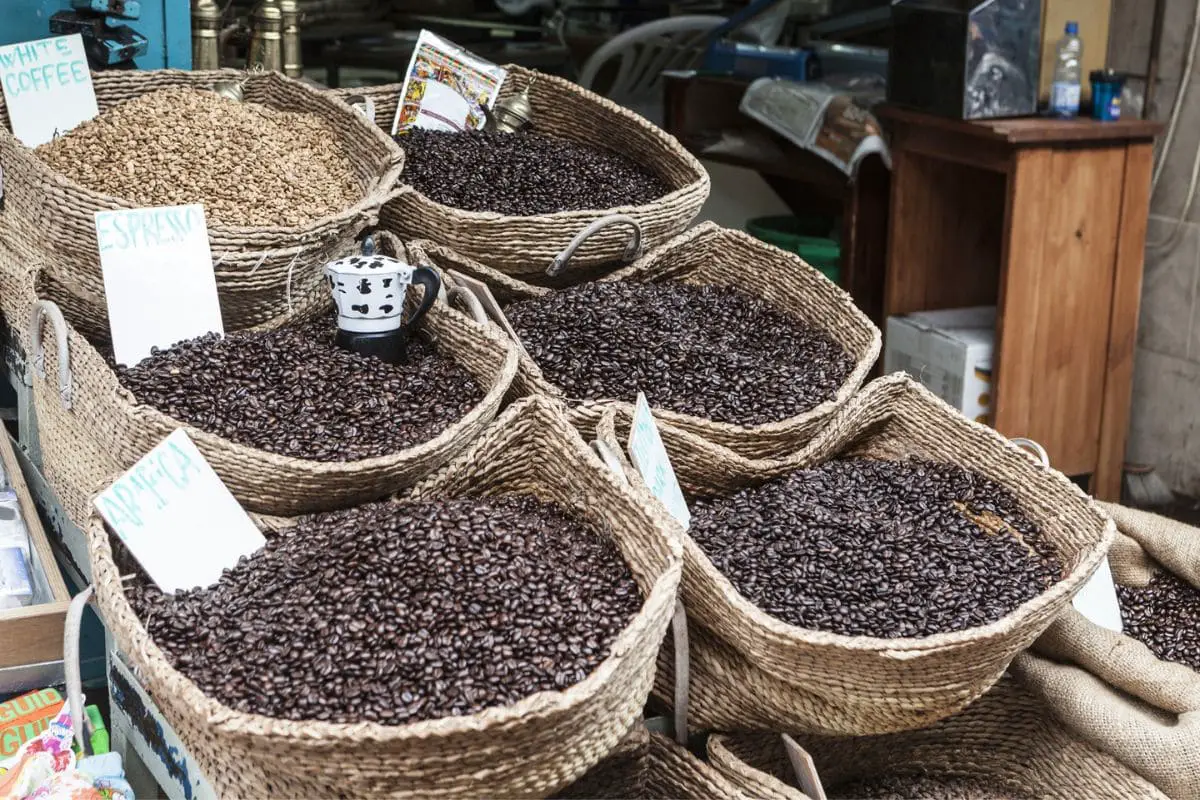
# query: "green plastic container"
{"points": [[808, 237]]}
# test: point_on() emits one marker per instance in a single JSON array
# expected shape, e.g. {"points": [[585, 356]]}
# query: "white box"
{"points": [[949, 352]]}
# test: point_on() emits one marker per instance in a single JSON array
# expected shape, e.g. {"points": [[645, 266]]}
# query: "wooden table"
{"points": [[1046, 219], [702, 112]]}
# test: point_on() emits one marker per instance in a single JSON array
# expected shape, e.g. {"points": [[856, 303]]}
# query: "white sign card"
{"points": [[47, 87], [177, 518], [158, 278], [805, 769], [1097, 600], [649, 456]]}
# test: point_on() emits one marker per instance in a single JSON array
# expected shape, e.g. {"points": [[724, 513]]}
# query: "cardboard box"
{"points": [[1094, 18], [949, 352]]}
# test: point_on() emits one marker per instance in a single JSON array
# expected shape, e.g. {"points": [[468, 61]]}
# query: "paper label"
{"points": [[805, 769], [445, 88], [649, 456], [1097, 600], [177, 518], [47, 87], [158, 278]]}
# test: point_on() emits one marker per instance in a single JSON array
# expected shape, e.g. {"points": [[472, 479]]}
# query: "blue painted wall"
{"points": [[166, 23]]}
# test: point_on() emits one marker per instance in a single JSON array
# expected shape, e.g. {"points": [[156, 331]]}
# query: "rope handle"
{"points": [[470, 302], [632, 251], [1032, 447], [42, 310], [71, 635], [363, 105]]}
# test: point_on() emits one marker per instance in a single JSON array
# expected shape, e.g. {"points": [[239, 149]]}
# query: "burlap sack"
{"points": [[1007, 740], [523, 246], [749, 670], [711, 255], [104, 430], [262, 272], [1110, 689], [532, 748]]}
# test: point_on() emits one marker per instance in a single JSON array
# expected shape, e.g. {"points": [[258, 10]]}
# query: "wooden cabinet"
{"points": [[1046, 219]]}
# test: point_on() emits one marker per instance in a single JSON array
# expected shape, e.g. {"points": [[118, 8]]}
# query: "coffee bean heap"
{"points": [[399, 613], [296, 393], [248, 164], [522, 174], [709, 351], [925, 787], [1164, 615], [878, 548]]}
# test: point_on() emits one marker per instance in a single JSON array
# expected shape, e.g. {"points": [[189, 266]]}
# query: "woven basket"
{"points": [[1110, 689], [524, 246], [262, 272], [531, 748], [105, 430], [1008, 740], [752, 671], [711, 255]]}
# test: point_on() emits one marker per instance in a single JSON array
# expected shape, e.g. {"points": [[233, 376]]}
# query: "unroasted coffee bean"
{"points": [[296, 393], [878, 548], [1164, 615], [522, 174], [396, 613], [927, 787], [709, 351], [248, 164]]}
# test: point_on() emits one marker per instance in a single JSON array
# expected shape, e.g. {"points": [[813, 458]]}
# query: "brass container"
{"points": [[290, 11], [266, 35], [206, 31]]}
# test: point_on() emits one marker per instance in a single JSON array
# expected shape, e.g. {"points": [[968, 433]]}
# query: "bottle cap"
{"points": [[1072, 28]]}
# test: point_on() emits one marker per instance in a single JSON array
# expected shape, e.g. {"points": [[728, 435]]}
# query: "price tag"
{"points": [[649, 456], [47, 87], [177, 518], [805, 769], [1097, 600], [158, 278]]}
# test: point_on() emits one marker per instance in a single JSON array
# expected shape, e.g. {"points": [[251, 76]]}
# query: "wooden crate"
{"points": [[34, 634]]}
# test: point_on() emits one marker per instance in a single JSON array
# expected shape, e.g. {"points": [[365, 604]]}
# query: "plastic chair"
{"points": [[645, 51]]}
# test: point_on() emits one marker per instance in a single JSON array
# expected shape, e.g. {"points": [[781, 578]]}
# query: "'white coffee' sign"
{"points": [[47, 87], [158, 278], [177, 518]]}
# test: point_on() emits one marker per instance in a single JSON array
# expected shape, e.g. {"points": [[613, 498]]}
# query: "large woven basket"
{"points": [[531, 748], [104, 431], [1112, 690], [709, 255], [750, 670], [262, 272], [1008, 741], [524, 246]]}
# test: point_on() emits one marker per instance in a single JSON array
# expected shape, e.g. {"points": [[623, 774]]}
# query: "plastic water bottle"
{"points": [[1068, 57]]}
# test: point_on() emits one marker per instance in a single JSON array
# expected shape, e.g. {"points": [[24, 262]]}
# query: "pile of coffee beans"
{"points": [[396, 613], [925, 787], [522, 174], [296, 393], [1164, 615], [867, 547], [709, 351], [248, 164]]}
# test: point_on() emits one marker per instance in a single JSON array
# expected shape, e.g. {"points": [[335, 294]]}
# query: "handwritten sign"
{"points": [[177, 518], [158, 278], [1097, 600], [47, 87], [649, 456]]}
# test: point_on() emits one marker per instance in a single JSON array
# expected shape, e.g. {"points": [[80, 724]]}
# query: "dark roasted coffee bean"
{"points": [[1164, 615], [708, 351], [927, 787], [878, 548], [396, 613], [522, 174], [296, 393]]}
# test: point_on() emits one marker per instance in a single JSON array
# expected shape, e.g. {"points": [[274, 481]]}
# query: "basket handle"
{"points": [[631, 252], [1032, 447], [470, 302], [42, 310], [71, 636], [363, 105]]}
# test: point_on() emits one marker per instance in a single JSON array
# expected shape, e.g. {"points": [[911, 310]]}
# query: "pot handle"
{"points": [[42, 310], [432, 282], [631, 252]]}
